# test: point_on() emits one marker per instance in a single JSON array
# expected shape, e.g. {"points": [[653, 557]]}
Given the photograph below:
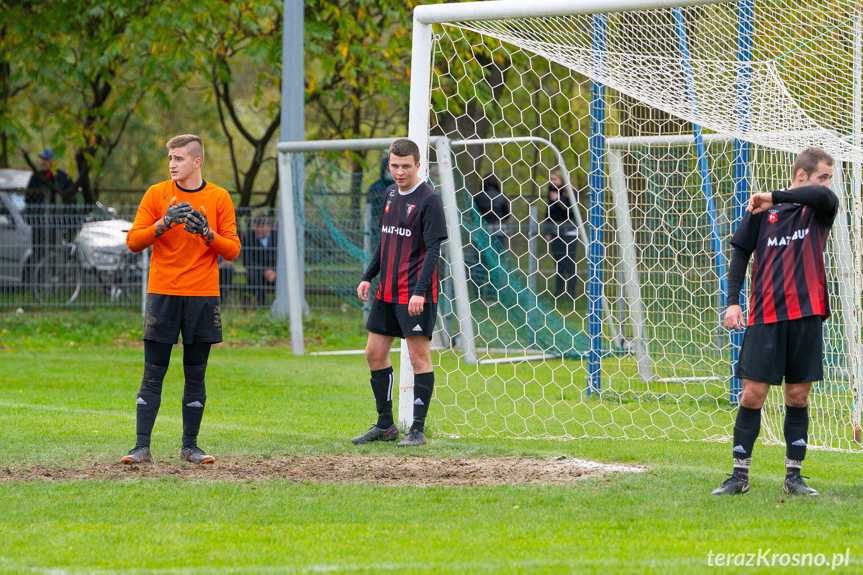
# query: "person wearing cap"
{"points": [[47, 183], [47, 187]]}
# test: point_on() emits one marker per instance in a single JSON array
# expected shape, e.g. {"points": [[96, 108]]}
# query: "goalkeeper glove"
{"points": [[196, 223], [176, 214]]}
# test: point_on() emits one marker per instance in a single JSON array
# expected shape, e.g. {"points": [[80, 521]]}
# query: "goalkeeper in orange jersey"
{"points": [[189, 223]]}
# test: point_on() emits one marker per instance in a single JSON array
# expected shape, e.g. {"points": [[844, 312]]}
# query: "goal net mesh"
{"points": [[675, 104]]}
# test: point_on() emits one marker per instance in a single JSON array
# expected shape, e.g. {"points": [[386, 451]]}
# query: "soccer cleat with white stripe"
{"points": [[736, 484], [794, 485]]}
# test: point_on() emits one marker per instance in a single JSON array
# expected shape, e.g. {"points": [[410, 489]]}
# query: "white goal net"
{"points": [[662, 121]]}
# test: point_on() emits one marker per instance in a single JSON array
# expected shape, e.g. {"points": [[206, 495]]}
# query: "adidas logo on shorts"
{"points": [[417, 328], [140, 401], [418, 401]]}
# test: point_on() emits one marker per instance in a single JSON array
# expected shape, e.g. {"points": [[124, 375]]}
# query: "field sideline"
{"points": [[66, 401]]}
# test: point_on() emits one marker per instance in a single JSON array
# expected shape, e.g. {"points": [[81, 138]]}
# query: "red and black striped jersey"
{"points": [[409, 223], [789, 280]]}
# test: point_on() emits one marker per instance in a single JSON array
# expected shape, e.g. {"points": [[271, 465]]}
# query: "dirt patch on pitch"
{"points": [[386, 470]]}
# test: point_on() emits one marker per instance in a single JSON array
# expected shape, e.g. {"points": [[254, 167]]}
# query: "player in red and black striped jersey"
{"points": [[787, 232], [412, 229]]}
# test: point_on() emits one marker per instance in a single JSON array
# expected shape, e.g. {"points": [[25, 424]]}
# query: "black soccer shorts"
{"points": [[793, 349], [198, 318], [392, 319]]}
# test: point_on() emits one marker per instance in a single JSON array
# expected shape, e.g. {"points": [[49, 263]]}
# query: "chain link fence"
{"points": [[66, 257], [71, 257]]}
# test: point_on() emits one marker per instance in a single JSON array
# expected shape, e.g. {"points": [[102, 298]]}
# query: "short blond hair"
{"points": [[197, 145]]}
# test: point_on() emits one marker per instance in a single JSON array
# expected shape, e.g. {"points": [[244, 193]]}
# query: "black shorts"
{"points": [[392, 319], [199, 318], [792, 349]]}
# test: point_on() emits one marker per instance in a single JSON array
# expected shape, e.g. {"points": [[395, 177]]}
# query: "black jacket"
{"points": [[255, 255], [53, 185], [492, 205]]}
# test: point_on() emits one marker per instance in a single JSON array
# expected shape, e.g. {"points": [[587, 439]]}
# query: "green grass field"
{"points": [[67, 400]]}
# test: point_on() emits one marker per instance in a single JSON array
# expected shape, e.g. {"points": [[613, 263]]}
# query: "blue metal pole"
{"points": [[596, 182], [745, 17], [701, 152]]}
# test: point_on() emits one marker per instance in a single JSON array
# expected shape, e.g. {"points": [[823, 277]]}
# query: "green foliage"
{"points": [[118, 78], [13, 84], [239, 57], [88, 68], [357, 81]]}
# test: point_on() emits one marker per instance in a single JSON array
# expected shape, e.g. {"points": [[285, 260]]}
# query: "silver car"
{"points": [[70, 259], [16, 237]]}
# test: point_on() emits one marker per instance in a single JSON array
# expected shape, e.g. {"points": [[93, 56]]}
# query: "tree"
{"points": [[239, 56], [357, 72], [91, 68], [13, 41]]}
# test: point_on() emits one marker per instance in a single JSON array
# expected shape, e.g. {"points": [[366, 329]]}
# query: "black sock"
{"points": [[382, 387], [746, 430], [148, 402], [423, 387], [194, 399], [796, 434]]}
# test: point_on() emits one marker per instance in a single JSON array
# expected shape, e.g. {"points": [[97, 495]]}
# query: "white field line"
{"points": [[600, 466]]}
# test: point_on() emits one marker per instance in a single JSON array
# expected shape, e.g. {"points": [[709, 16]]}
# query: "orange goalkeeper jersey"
{"points": [[182, 263]]}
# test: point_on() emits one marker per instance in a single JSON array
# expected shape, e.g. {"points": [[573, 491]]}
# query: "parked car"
{"points": [[16, 236]]}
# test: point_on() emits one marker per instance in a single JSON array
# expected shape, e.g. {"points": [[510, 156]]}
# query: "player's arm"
{"points": [[743, 244], [820, 198], [149, 224], [736, 275], [434, 231], [372, 270], [423, 285]]}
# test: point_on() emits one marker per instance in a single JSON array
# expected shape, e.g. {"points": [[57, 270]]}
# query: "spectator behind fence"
{"points": [[493, 207], [47, 187], [561, 233], [375, 198], [226, 276], [259, 257]]}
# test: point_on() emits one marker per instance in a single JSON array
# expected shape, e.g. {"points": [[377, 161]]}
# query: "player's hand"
{"points": [[363, 290], [760, 202], [270, 276], [176, 213], [734, 317], [415, 305], [196, 223]]}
